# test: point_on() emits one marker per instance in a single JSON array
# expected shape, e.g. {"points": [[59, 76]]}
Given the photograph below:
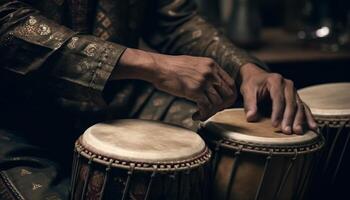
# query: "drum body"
{"points": [[330, 105], [251, 161], [140, 160]]}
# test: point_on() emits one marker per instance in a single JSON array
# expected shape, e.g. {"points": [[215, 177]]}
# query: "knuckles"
{"points": [[274, 77]]}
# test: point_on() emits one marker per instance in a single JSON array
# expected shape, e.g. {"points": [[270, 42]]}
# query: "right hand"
{"points": [[198, 79]]}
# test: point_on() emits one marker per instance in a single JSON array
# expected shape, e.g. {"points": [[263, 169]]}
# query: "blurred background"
{"points": [[304, 40]]}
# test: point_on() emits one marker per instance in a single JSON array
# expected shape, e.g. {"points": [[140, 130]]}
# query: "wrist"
{"points": [[134, 64], [249, 70]]}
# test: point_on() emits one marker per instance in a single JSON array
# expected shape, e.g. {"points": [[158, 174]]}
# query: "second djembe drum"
{"points": [[330, 105], [253, 161], [137, 159]]}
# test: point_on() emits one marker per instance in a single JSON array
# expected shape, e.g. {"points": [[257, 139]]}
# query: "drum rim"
{"points": [[251, 147], [210, 126], [327, 113], [199, 148], [162, 166], [333, 121]]}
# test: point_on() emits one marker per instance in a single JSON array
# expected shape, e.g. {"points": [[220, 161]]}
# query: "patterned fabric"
{"points": [[57, 56]]}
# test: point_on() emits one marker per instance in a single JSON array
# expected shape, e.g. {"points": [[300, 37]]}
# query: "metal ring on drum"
{"points": [[330, 105], [253, 161], [140, 159]]}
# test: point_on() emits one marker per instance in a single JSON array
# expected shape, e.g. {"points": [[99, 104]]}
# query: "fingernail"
{"points": [[250, 113], [288, 129], [299, 129], [275, 123]]}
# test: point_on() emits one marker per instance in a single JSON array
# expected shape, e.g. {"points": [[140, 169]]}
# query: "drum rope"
{"points": [[303, 177], [128, 180], [171, 182], [73, 171], [286, 174], [216, 155], [329, 157], [233, 171], [267, 162], [341, 156], [87, 177], [76, 172], [150, 183], [108, 169]]}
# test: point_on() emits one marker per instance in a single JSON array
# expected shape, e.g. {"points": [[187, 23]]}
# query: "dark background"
{"points": [[306, 60]]}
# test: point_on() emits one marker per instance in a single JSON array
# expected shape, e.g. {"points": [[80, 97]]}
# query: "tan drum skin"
{"points": [[252, 161], [140, 159]]}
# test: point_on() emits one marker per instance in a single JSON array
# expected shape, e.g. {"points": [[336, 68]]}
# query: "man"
{"points": [[66, 64]]}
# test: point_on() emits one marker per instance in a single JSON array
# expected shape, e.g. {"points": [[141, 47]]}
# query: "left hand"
{"points": [[288, 111]]}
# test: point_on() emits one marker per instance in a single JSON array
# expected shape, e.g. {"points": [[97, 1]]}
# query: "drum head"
{"points": [[231, 124], [142, 141], [328, 99]]}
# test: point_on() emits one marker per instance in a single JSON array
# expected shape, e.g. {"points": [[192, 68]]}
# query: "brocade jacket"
{"points": [[56, 57]]}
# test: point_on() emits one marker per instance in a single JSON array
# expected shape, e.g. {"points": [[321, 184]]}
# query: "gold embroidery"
{"points": [[104, 35], [106, 22], [158, 102], [90, 49], [100, 16], [36, 186], [32, 20], [197, 34], [72, 42], [44, 29], [25, 172]]}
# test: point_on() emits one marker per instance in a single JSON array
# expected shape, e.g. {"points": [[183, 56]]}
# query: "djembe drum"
{"points": [[139, 159], [330, 105], [253, 161]]}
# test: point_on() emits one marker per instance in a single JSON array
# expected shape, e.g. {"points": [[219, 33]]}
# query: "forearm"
{"points": [[135, 64], [178, 29]]}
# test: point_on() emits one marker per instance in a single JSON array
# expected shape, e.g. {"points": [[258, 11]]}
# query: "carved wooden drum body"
{"points": [[330, 105], [252, 161], [138, 159]]}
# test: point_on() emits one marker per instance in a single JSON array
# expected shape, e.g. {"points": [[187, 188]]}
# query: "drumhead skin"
{"points": [[231, 124], [328, 99], [142, 141]]}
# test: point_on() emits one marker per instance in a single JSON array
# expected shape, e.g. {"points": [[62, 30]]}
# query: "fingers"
{"points": [[204, 109], [219, 94], [227, 92], [299, 121], [310, 119], [250, 103], [291, 107], [214, 97], [228, 80], [278, 99]]}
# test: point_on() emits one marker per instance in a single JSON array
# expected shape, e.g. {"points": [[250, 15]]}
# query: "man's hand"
{"points": [[198, 79], [195, 78], [288, 111]]}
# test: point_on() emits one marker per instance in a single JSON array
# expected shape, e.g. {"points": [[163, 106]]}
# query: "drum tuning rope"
{"points": [[128, 180], [150, 183], [286, 174], [341, 155], [233, 171], [76, 171], [340, 129], [87, 177], [216, 155], [108, 169], [267, 162]]}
